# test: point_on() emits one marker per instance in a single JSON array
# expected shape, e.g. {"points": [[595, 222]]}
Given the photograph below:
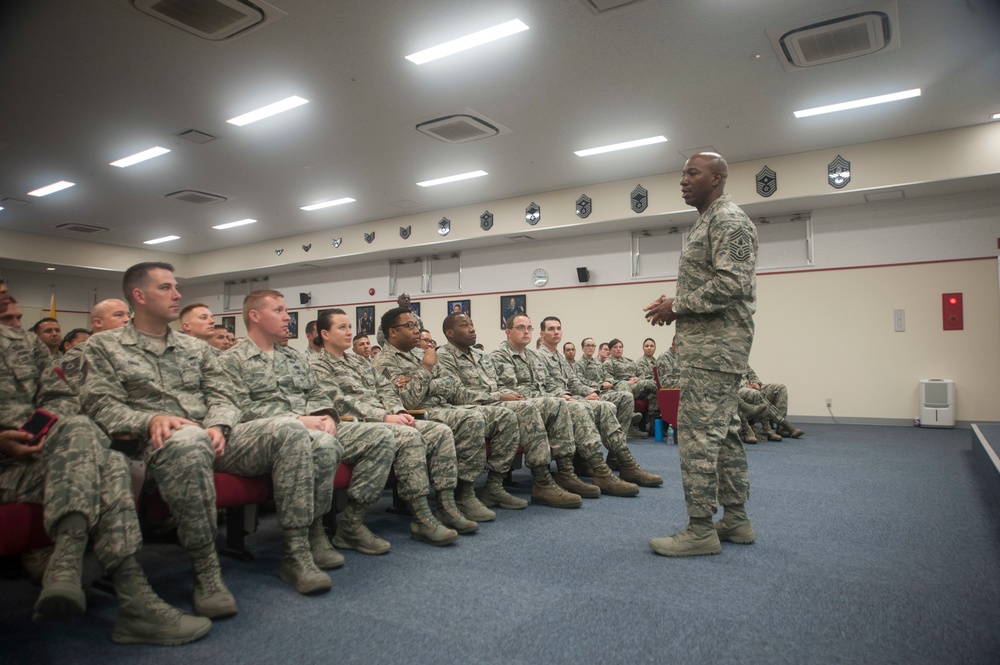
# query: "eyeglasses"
{"points": [[522, 328], [409, 325]]}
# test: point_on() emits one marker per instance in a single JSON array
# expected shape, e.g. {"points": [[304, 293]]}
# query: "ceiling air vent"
{"points": [[194, 196], [81, 228], [195, 136], [604, 5], [460, 127], [831, 38], [215, 20]]}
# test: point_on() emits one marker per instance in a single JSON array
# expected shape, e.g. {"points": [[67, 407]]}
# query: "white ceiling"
{"points": [[85, 83]]}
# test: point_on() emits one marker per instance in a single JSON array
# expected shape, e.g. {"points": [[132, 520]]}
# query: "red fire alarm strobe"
{"points": [[951, 308]]}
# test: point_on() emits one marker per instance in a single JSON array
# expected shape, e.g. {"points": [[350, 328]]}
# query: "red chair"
{"points": [[669, 400], [21, 528]]}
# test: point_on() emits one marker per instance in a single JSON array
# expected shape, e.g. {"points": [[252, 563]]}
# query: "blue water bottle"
{"points": [[658, 430]]}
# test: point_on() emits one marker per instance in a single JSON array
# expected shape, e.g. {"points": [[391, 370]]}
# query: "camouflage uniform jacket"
{"points": [[522, 372], [749, 377], [620, 370], [565, 379], [355, 387], [667, 370], [277, 386], [28, 382], [644, 366], [716, 290], [475, 372], [424, 390], [590, 371], [125, 382], [71, 363]]}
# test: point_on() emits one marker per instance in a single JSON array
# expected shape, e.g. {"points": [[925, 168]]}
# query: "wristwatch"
{"points": [[673, 306], [226, 431]]}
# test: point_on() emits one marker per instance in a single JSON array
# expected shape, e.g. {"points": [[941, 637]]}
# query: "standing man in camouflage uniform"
{"points": [[420, 388], [523, 369], [167, 389], [357, 390], [85, 490], [477, 379], [105, 315], [274, 381], [568, 385], [714, 306]]}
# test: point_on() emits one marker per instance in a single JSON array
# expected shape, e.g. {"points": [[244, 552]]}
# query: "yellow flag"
{"points": [[52, 305]]}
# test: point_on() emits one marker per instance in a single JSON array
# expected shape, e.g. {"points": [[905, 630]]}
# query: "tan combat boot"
{"points": [[62, 595], [785, 428], [767, 432], [746, 429], [298, 569], [544, 490], [323, 554], [567, 479], [633, 473], [352, 534], [143, 617], [471, 507], [425, 528], [608, 482], [449, 514], [735, 527], [211, 597], [699, 538], [494, 494]]}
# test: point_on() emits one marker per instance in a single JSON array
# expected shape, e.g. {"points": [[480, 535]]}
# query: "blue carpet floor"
{"points": [[874, 545]]}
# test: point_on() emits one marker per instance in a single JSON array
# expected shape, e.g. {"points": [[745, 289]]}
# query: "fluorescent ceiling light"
{"points": [[229, 225], [140, 157], [54, 187], [50, 269], [995, 116], [621, 146], [452, 178], [469, 41], [858, 103], [157, 241], [267, 111], [327, 204]]}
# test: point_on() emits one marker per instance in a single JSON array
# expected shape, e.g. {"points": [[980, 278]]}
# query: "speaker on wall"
{"points": [[583, 275], [304, 298]]}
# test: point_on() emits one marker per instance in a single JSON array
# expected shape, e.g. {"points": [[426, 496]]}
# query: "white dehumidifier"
{"points": [[937, 403]]}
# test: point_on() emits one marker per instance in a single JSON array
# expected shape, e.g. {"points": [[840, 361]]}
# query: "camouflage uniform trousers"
{"points": [[713, 461], [425, 446], [623, 403], [774, 396], [587, 437], [545, 427], [76, 473], [503, 431], [327, 451], [468, 426], [611, 433], [641, 389], [370, 448]]}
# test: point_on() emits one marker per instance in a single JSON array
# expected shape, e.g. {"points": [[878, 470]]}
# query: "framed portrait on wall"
{"points": [[415, 306], [229, 322], [366, 320], [510, 305], [293, 325], [460, 307]]}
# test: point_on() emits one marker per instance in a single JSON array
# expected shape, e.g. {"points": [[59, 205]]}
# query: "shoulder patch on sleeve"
{"points": [[740, 245]]}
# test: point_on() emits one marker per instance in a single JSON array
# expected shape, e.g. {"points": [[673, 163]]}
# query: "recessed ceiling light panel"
{"points": [[327, 204], [452, 178], [621, 146], [140, 157], [50, 189], [267, 111], [231, 225], [858, 103], [468, 41], [157, 241]]}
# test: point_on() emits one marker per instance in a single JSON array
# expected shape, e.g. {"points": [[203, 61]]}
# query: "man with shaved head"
{"points": [[714, 306], [108, 314]]}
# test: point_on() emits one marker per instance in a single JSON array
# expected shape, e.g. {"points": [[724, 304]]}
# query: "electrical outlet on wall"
{"points": [[829, 402]]}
